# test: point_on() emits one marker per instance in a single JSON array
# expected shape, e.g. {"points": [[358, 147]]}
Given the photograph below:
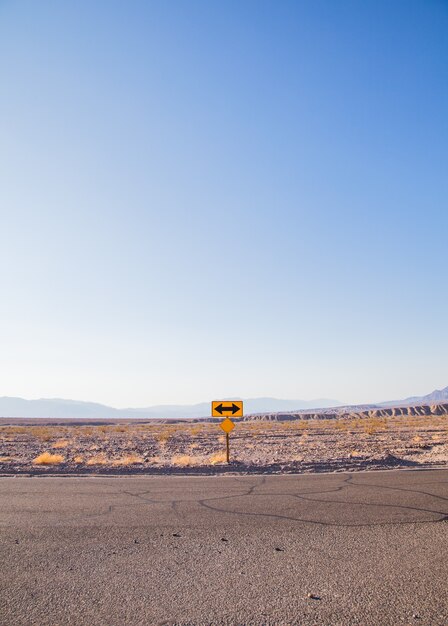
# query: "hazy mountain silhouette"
{"points": [[60, 408], [435, 397]]}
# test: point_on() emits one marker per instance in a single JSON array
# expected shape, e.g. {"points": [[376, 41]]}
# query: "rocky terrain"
{"points": [[355, 412], [333, 440]]}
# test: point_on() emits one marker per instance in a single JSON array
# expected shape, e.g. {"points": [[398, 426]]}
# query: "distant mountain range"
{"points": [[60, 408], [435, 397]]}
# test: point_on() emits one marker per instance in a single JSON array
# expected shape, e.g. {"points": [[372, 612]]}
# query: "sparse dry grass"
{"points": [[374, 425], [13, 430], [119, 429], [342, 424], [183, 460], [62, 443], [217, 458], [48, 459], [196, 429], [258, 425], [130, 459], [99, 459], [191, 444], [163, 436], [41, 432], [155, 460], [102, 429]]}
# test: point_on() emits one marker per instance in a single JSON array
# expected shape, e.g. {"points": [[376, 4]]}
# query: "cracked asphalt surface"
{"points": [[334, 549]]}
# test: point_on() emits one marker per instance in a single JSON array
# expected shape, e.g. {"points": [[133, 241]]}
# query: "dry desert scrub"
{"points": [[48, 459], [119, 429], [13, 430], [60, 444], [195, 430], [130, 459], [371, 427], [163, 436], [184, 460], [217, 458], [155, 460], [343, 424], [41, 432], [99, 459]]}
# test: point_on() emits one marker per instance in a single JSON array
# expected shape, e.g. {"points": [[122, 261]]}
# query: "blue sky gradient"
{"points": [[211, 199]]}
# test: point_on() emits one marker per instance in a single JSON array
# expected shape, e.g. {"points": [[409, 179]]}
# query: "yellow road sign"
{"points": [[227, 425], [221, 408]]}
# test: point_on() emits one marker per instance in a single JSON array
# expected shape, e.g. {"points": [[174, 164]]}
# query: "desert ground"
{"points": [[259, 444]]}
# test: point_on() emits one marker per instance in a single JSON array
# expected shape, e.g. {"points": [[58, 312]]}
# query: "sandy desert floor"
{"points": [[41, 446]]}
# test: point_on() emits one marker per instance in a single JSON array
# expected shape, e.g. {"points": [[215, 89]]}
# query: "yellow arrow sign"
{"points": [[225, 408], [227, 425]]}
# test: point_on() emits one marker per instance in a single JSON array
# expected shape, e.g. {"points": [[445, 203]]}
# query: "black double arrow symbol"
{"points": [[234, 408]]}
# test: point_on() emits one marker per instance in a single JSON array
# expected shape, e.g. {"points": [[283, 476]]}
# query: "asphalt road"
{"points": [[372, 548]]}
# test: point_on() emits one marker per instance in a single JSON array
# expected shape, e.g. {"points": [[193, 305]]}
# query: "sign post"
{"points": [[220, 408]]}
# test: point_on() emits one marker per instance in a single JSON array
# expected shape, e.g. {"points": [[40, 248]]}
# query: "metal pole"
{"points": [[228, 447]]}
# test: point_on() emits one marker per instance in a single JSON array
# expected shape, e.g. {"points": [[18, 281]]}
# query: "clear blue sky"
{"points": [[205, 199]]}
